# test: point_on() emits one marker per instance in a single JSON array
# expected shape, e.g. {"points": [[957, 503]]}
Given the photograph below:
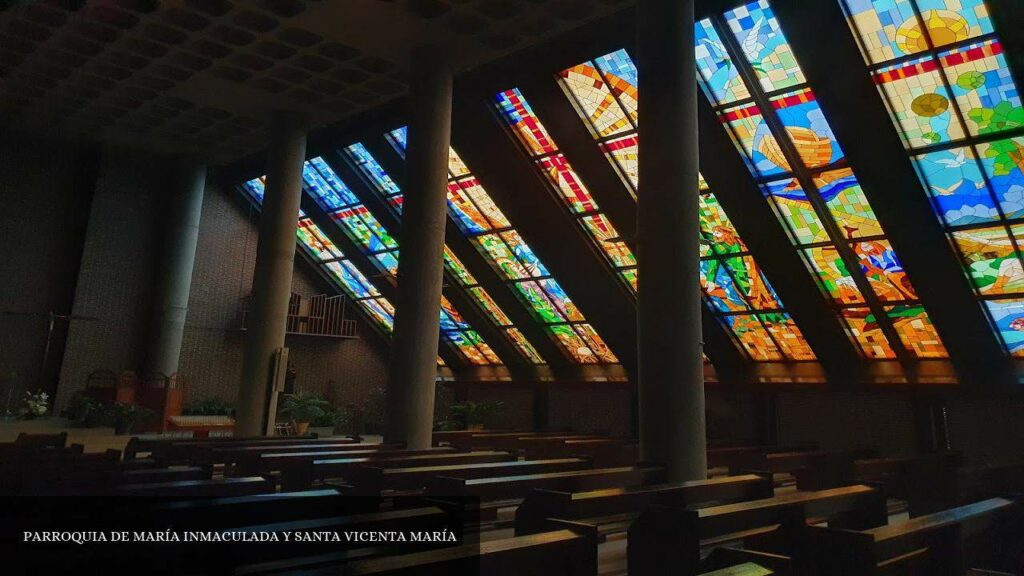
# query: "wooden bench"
{"points": [[933, 492], [302, 476], [220, 454], [217, 487], [895, 474], [56, 440], [181, 449], [262, 463], [604, 452], [558, 553], [669, 536], [510, 440], [931, 545], [506, 487], [444, 437], [613, 509], [301, 554], [727, 456], [790, 462], [372, 480]]}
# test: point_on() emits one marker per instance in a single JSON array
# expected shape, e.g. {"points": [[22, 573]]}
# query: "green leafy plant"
{"points": [[302, 407], [86, 412], [126, 416], [469, 413], [332, 418], [34, 405], [209, 407]]}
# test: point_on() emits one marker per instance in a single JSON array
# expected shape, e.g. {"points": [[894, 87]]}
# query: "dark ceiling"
{"points": [[201, 76]]}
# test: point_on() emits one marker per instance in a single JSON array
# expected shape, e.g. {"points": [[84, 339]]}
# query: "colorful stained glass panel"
{"points": [[753, 337], [1008, 316], [957, 187], [596, 103], [847, 204], [764, 45], [807, 129], [833, 275], [916, 331], [795, 209], [865, 330], [993, 262], [881, 267], [525, 123], [1003, 161], [717, 70], [983, 87], [919, 102]]}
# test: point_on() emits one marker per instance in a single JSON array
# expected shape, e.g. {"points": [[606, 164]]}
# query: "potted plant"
{"points": [[86, 412], [35, 405], [302, 409], [328, 423], [474, 415], [209, 407], [126, 416]]}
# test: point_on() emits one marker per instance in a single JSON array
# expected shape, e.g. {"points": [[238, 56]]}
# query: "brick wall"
{"points": [[43, 211], [121, 250]]}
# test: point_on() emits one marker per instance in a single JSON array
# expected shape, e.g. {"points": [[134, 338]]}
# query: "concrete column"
{"points": [[174, 275], [410, 393], [671, 373], [272, 277]]}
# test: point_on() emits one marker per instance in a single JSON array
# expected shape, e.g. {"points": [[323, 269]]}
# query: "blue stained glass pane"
{"points": [[399, 138], [1004, 163], [373, 170], [957, 187], [807, 129], [764, 45], [716, 68], [333, 181], [324, 195], [389, 261], [1008, 316], [719, 287], [619, 64], [350, 281], [534, 267], [255, 188]]}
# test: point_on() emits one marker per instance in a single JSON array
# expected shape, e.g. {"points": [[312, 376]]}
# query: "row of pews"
{"points": [[529, 503]]}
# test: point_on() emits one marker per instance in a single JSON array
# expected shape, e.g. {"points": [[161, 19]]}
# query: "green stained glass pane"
{"points": [[833, 275], [795, 209], [499, 255], [848, 205], [993, 262], [716, 227], [538, 302]]}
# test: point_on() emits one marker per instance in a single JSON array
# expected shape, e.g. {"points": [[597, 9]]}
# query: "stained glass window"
{"points": [[732, 283], [941, 71], [382, 183], [322, 251], [479, 218], [567, 184], [759, 91]]}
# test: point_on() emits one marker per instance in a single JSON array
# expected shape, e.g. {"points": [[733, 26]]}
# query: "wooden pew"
{"points": [[505, 487], [26, 440], [235, 454], [303, 475], [790, 462], [931, 492], [295, 555], [613, 508], [510, 440], [261, 463], [157, 475], [372, 480], [727, 456], [931, 545], [604, 452], [217, 487], [559, 553], [669, 536], [444, 437], [894, 473], [181, 449]]}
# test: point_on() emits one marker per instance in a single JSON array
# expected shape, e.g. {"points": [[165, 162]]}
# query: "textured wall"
{"points": [[844, 420], [43, 210], [115, 279], [115, 284]]}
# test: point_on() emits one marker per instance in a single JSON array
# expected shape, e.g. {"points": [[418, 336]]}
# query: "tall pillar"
{"points": [[410, 393], [181, 234], [272, 276], [671, 372]]}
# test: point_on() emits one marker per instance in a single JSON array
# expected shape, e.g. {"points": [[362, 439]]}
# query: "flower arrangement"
{"points": [[35, 405]]}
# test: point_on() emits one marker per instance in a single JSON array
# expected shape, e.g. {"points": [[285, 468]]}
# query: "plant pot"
{"points": [[322, 431], [475, 427], [301, 428]]}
